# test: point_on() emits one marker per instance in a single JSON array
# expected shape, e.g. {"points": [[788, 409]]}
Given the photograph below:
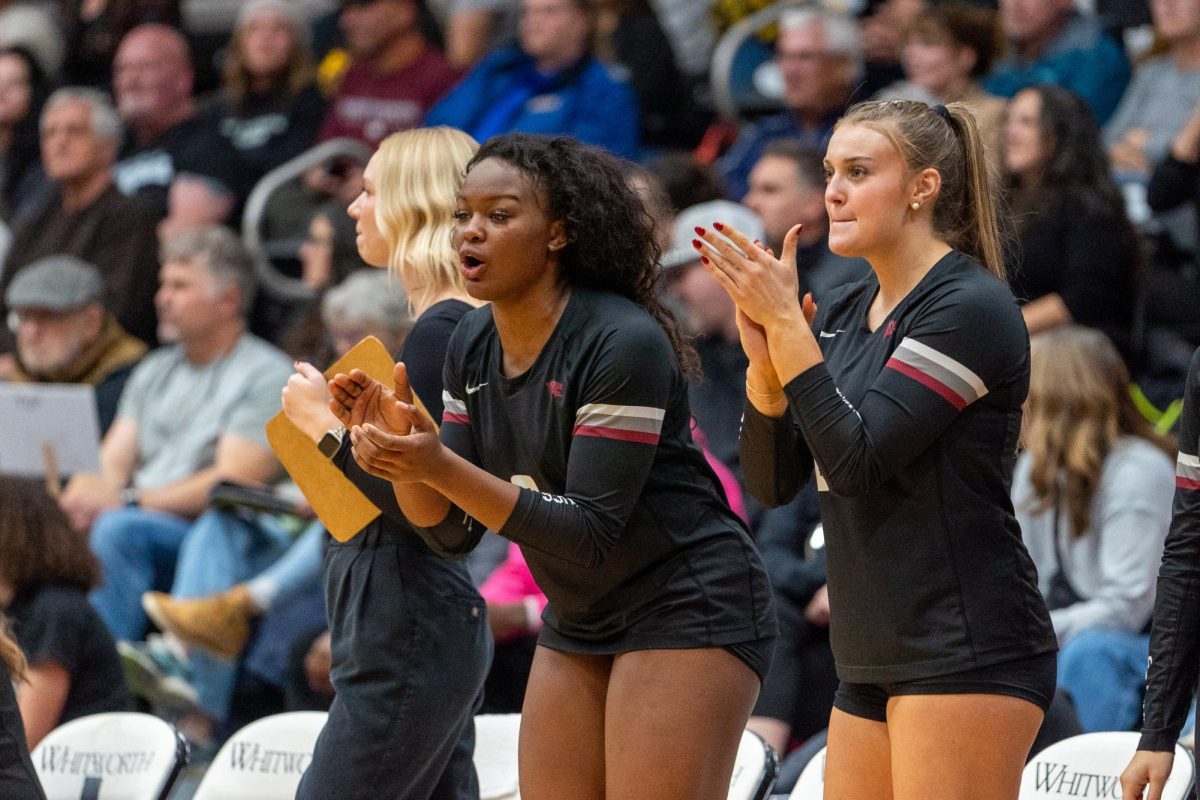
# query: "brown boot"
{"points": [[219, 623]]}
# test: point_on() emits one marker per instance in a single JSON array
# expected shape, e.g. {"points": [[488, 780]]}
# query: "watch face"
{"points": [[329, 444]]}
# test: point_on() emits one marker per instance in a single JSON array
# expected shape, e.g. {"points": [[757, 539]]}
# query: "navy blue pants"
{"points": [[411, 649]]}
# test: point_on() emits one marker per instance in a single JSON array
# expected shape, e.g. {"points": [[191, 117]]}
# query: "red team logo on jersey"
{"points": [[890, 329], [555, 388]]}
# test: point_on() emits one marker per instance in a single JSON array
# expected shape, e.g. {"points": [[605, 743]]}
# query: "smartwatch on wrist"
{"points": [[331, 442]]}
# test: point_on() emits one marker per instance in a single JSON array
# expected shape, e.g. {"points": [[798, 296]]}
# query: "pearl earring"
{"points": [[916, 206]]}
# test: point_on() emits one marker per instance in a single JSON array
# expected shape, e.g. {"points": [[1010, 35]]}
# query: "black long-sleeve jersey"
{"points": [[1175, 635], [623, 523], [913, 429]]}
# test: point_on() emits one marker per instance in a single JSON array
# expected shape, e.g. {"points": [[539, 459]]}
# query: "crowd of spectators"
{"points": [[129, 146]]}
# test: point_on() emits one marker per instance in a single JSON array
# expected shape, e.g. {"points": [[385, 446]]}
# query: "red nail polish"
{"points": [[718, 226], [704, 259], [699, 231], [696, 243]]}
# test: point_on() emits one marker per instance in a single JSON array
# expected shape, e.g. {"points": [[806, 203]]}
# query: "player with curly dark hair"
{"points": [[567, 429], [593, 203]]}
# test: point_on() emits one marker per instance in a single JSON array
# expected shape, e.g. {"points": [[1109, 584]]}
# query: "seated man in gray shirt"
{"points": [[192, 414]]}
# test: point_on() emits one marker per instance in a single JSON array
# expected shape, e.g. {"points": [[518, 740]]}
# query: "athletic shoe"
{"points": [[155, 673], [219, 623]]}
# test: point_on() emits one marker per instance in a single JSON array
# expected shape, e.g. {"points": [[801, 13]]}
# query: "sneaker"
{"points": [[156, 674], [219, 623]]}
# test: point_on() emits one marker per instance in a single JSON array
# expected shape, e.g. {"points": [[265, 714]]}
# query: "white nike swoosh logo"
{"points": [[474, 389], [825, 335]]}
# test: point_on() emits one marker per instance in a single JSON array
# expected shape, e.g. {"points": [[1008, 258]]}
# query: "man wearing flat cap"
{"points": [[64, 334]]}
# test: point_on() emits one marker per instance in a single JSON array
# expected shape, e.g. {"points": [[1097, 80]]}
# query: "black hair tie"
{"points": [[941, 111]]}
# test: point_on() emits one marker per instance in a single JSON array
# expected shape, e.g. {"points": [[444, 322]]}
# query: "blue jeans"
{"points": [[300, 567], [1104, 671], [223, 549], [137, 550]]}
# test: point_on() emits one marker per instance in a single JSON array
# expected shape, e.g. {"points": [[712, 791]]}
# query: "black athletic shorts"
{"points": [[755, 654], [1032, 678]]}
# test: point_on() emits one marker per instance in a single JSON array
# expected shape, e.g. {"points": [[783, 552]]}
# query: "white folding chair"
{"points": [[264, 760], [811, 783], [496, 756], [754, 770], [1091, 765], [112, 756], [496, 735]]}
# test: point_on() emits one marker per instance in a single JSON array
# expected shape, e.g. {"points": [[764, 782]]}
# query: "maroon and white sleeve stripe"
{"points": [[1187, 472], [935, 370], [454, 410], [628, 423]]}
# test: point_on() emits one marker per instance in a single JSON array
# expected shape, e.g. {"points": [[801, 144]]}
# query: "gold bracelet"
{"points": [[773, 398]]}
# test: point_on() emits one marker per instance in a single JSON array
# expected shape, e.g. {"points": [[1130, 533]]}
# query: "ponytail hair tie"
{"points": [[941, 111]]}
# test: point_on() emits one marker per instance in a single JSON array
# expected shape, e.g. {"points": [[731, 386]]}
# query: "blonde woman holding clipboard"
{"points": [[410, 638]]}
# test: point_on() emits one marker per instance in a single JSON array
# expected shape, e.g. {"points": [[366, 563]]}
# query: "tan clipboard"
{"points": [[341, 507]]}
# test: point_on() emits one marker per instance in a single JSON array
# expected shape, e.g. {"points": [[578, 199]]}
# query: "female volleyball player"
{"points": [[566, 429], [1174, 634], [906, 394]]}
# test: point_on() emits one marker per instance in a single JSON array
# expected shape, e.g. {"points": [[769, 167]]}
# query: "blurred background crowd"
{"points": [[174, 178]]}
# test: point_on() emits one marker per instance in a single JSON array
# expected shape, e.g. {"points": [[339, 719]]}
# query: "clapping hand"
{"points": [[400, 458], [306, 401], [359, 399], [391, 437], [765, 288]]}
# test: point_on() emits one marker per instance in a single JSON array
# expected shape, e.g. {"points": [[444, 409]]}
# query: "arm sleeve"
{"points": [[1131, 523], [1174, 643], [424, 353], [942, 366], [613, 446], [775, 460], [1172, 184]]}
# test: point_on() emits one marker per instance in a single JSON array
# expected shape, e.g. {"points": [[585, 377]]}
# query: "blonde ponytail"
{"points": [[982, 236], [946, 138]]}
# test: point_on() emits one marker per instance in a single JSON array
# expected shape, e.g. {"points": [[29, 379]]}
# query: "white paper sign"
{"points": [[61, 416]]}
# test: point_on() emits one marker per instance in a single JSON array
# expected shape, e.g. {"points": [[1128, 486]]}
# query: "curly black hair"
{"points": [[610, 236]]}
